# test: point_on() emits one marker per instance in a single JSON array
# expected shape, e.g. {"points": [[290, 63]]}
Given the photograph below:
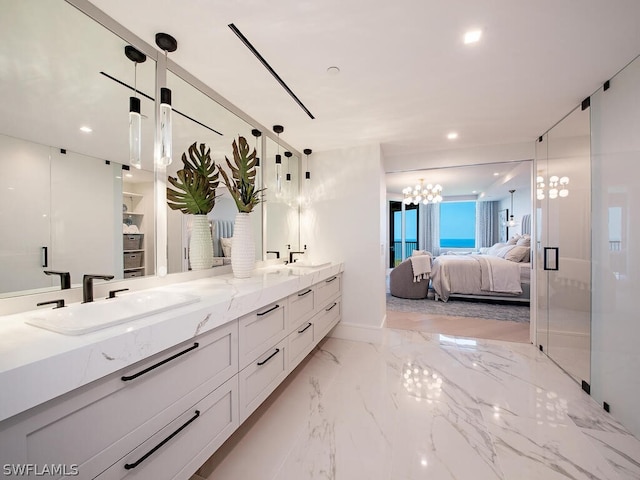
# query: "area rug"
{"points": [[460, 308]]}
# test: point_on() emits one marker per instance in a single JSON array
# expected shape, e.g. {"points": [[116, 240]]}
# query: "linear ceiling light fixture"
{"points": [[253, 50], [169, 44], [135, 120]]}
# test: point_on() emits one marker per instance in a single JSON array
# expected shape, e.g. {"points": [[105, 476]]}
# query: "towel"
{"points": [[421, 265]]}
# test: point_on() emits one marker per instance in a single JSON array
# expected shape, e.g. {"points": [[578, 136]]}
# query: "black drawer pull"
{"points": [[305, 328], [331, 279], [269, 357], [126, 378], [304, 293], [268, 311], [130, 466], [331, 307]]}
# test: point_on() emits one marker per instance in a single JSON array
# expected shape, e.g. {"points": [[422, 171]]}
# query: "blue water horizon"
{"points": [[457, 242]]}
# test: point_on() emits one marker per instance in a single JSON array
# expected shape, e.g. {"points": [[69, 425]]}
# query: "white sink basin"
{"points": [[302, 264], [79, 318]]}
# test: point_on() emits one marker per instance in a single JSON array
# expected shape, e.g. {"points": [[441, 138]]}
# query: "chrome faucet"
{"points": [[87, 286], [65, 278], [291, 254]]}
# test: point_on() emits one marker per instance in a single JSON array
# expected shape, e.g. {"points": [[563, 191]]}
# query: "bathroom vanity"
{"points": [[156, 396]]}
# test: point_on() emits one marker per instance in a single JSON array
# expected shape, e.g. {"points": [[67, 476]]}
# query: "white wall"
{"points": [[396, 160], [346, 222]]}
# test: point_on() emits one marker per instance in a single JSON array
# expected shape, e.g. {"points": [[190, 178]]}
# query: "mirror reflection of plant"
{"points": [[241, 184], [195, 184]]}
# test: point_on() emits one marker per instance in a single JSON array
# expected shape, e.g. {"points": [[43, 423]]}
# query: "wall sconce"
{"points": [[169, 44], [278, 129], [135, 119]]}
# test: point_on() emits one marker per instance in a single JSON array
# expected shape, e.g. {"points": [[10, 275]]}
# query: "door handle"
{"points": [[45, 257], [553, 260]]}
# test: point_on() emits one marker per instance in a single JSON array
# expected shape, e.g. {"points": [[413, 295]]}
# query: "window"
{"points": [[458, 225]]}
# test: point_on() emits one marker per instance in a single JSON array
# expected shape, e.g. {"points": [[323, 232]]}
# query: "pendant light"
{"points": [[288, 155], [257, 133], [512, 221], [169, 44], [278, 129], [135, 119], [307, 179]]}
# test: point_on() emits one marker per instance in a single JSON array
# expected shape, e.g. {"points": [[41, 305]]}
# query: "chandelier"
{"points": [[557, 187], [421, 193]]}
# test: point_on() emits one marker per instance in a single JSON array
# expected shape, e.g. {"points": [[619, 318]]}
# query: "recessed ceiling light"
{"points": [[333, 70], [452, 135], [495, 174], [472, 36], [128, 175], [86, 129], [475, 191]]}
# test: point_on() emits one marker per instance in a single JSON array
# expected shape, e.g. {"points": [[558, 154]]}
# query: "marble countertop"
{"points": [[37, 365]]}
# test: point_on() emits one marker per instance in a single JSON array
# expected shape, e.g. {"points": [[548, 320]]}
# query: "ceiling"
{"points": [[406, 78]]}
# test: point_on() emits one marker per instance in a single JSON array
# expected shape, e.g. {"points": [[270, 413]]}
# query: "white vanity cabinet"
{"points": [[95, 426], [165, 415]]}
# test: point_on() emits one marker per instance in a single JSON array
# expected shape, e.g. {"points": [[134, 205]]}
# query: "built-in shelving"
{"points": [[133, 258]]}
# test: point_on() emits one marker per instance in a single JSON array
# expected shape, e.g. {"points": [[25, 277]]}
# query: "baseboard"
{"points": [[358, 332]]}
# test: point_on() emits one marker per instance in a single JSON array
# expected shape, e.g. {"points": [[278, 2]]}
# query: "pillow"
{"points": [[225, 243], [513, 240], [503, 251], [518, 253], [524, 241], [494, 249], [415, 253]]}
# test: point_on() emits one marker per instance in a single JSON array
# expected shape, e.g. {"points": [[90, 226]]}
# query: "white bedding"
{"points": [[475, 275]]}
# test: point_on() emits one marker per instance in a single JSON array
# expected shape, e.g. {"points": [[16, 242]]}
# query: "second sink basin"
{"points": [[80, 318]]}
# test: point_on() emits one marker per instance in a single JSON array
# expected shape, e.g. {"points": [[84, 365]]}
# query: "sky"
{"points": [[457, 220]]}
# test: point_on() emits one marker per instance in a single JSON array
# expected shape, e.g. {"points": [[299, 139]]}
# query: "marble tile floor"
{"points": [[419, 405]]}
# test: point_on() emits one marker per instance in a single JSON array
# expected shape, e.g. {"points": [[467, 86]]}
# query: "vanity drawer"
{"points": [[261, 377], [300, 343], [327, 289], [328, 317], [134, 403], [178, 449], [261, 329], [301, 307]]}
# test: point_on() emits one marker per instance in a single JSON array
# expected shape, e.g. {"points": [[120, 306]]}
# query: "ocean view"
{"points": [[457, 242]]}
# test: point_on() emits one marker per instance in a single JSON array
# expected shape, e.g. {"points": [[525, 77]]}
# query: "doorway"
{"points": [[396, 238]]}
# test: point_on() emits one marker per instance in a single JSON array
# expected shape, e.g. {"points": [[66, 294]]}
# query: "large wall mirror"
{"points": [[199, 119], [65, 199], [282, 201], [68, 199]]}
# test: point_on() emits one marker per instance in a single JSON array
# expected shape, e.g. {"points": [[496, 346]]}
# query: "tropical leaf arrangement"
{"points": [[195, 184], [241, 183]]}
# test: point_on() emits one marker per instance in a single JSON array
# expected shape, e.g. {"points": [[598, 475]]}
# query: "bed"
{"points": [[501, 272]]}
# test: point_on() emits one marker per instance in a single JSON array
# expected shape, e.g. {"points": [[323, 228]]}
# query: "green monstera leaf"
{"points": [[241, 183], [195, 186]]}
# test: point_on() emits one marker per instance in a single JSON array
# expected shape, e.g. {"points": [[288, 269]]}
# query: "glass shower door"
{"points": [[564, 251]]}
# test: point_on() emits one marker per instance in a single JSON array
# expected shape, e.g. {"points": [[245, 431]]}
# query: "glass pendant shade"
{"points": [[278, 173], [135, 133], [165, 127]]}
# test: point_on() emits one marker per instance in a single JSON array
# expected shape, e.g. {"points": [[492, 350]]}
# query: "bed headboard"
{"points": [[526, 224], [220, 229]]}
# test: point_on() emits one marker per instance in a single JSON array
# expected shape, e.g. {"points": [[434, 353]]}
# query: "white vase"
{"points": [[200, 243], [243, 248]]}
